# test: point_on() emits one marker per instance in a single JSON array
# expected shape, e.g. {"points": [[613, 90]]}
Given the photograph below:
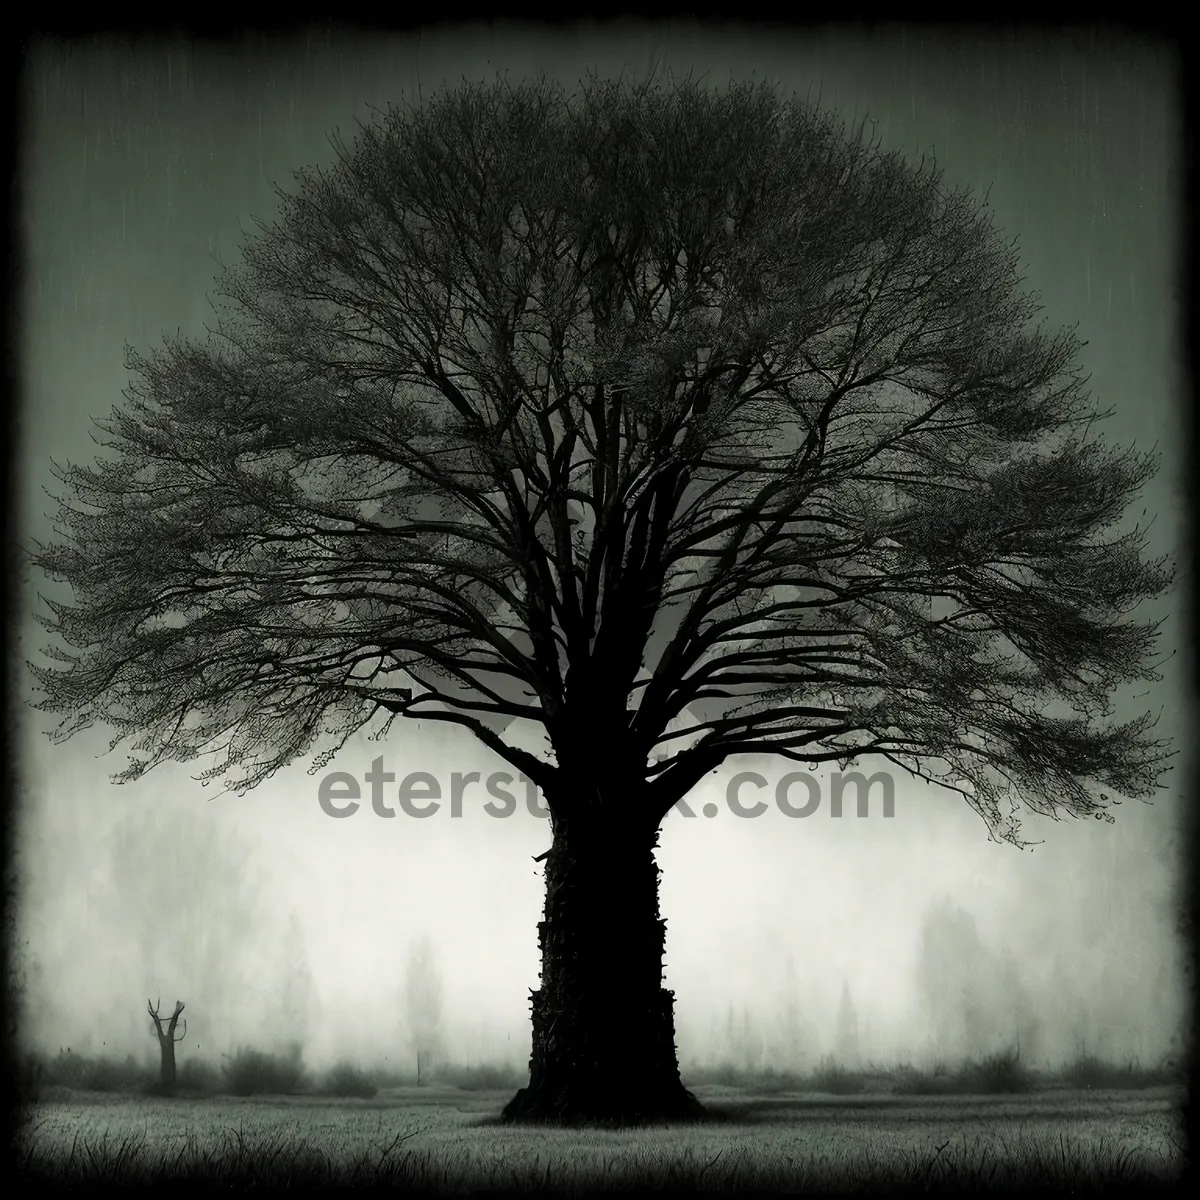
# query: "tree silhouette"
{"points": [[296, 992], [423, 1001], [795, 1030], [847, 1029], [953, 969], [973, 999], [657, 419], [167, 1040]]}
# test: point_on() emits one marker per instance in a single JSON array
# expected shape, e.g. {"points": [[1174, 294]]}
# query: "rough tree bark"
{"points": [[167, 1040], [603, 1024]]}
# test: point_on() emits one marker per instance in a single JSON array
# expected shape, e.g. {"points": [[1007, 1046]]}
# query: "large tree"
{"points": [[670, 422]]}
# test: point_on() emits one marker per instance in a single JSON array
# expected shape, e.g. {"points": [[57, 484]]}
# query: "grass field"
{"points": [[448, 1140]]}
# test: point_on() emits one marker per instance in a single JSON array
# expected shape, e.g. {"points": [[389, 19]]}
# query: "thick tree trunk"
{"points": [[603, 1024], [166, 1041], [167, 1046]]}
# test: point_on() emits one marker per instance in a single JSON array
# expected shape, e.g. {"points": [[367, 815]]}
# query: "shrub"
{"points": [[998, 1073], [832, 1077], [386, 1076], [1088, 1071], [912, 1081], [66, 1070], [108, 1075], [29, 1079], [198, 1075], [252, 1072], [85, 1074], [347, 1079]]}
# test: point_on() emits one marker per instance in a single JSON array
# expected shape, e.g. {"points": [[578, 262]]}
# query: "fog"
{"points": [[902, 938], [949, 945]]}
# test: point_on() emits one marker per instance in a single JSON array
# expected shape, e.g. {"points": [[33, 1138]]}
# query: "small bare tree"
{"points": [[167, 1039]]}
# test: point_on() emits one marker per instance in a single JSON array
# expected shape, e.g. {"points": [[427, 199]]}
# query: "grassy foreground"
{"points": [[447, 1140]]}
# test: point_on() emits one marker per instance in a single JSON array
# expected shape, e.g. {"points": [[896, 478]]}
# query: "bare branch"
{"points": [[647, 417]]}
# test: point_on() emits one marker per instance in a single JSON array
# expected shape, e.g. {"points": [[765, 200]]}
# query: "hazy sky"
{"points": [[141, 162]]}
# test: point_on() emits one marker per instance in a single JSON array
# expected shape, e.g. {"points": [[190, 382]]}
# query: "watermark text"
{"points": [[419, 794]]}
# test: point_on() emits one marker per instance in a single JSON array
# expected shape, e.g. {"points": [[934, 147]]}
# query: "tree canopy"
{"points": [[678, 422]]}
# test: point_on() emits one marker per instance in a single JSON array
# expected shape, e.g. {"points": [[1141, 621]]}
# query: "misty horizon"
{"points": [[1087, 979]]}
